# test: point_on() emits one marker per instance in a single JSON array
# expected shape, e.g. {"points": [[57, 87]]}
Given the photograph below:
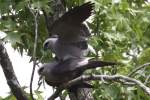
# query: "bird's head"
{"points": [[49, 43], [40, 70]]}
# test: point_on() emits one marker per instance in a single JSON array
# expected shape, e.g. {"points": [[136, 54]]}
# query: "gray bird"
{"points": [[58, 72], [69, 35]]}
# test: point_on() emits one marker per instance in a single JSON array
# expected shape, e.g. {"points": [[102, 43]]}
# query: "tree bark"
{"points": [[10, 74], [82, 94]]}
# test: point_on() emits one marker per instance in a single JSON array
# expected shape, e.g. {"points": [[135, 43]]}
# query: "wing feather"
{"points": [[70, 26]]}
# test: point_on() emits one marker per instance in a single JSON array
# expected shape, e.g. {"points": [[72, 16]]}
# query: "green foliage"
{"points": [[121, 33], [72, 3], [10, 97], [144, 56], [39, 96], [18, 23]]}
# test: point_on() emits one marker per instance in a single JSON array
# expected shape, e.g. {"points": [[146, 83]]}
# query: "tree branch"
{"points": [[116, 78], [138, 68], [56, 93], [10, 74], [147, 80], [35, 13]]}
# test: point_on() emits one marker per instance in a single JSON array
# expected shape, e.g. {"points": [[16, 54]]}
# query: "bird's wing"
{"points": [[70, 26], [68, 65], [78, 14]]}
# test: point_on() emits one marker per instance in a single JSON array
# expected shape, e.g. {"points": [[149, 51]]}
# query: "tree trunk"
{"points": [[82, 94], [10, 74]]}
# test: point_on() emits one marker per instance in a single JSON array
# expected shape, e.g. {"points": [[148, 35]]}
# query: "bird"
{"points": [[57, 72], [69, 35]]}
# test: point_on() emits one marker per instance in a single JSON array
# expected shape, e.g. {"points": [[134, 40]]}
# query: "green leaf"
{"points": [[144, 56], [13, 38]]}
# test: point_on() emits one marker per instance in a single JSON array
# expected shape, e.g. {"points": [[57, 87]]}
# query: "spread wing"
{"points": [[70, 26]]}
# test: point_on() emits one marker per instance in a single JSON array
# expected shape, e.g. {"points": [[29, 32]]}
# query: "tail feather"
{"points": [[95, 64]]}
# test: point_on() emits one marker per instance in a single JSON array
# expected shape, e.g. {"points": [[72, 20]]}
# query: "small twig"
{"points": [[35, 14], [116, 78], [147, 79], [61, 96], [56, 93], [40, 82], [138, 68]]}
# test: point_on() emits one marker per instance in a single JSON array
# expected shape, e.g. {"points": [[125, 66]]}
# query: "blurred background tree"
{"points": [[121, 32]]}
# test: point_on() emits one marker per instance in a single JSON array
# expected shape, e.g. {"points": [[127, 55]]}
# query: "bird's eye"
{"points": [[46, 45], [40, 70]]}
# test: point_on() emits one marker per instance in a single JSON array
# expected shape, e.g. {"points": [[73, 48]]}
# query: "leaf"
{"points": [[39, 96], [13, 38], [144, 56]]}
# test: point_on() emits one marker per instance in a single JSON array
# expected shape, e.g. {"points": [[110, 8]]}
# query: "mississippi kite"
{"points": [[70, 35], [59, 72]]}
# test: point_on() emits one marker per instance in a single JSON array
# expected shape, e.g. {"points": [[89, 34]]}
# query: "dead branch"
{"points": [[138, 68]]}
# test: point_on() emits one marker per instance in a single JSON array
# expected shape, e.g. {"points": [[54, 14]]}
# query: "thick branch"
{"points": [[116, 78], [10, 75]]}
